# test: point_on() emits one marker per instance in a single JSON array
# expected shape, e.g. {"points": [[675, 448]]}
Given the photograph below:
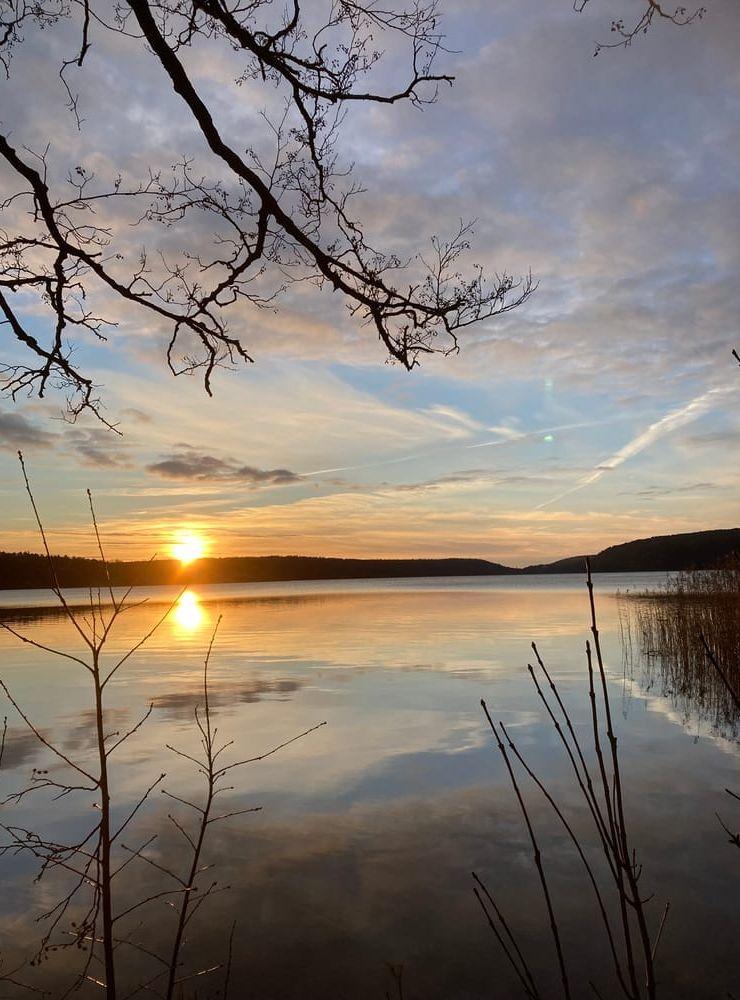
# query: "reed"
{"points": [[687, 640], [687, 637]]}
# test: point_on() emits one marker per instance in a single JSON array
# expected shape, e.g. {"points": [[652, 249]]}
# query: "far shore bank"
{"points": [[662, 553]]}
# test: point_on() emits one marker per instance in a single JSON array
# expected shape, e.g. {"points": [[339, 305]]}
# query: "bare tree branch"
{"points": [[277, 223]]}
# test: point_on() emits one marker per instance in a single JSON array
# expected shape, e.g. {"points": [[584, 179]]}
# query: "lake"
{"points": [[360, 859]]}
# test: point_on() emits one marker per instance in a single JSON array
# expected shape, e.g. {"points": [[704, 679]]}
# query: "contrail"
{"points": [[507, 435], [694, 409], [510, 435], [367, 465]]}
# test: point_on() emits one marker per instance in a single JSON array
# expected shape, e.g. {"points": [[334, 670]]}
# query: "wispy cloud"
{"points": [[455, 416], [695, 408], [689, 489], [506, 432], [98, 448]]}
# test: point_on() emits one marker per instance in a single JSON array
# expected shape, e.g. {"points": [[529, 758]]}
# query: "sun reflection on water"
{"points": [[188, 612]]}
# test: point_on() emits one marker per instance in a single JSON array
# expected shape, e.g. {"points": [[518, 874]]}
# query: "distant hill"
{"points": [[691, 550], [694, 550]]}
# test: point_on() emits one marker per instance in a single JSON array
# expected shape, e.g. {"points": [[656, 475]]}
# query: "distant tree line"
{"points": [[692, 550]]}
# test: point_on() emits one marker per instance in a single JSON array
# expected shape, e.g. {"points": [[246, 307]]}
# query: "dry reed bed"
{"points": [[687, 639]]}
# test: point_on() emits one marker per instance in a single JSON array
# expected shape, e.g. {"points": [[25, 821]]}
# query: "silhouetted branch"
{"points": [[229, 958], [277, 221], [518, 963], [653, 11]]}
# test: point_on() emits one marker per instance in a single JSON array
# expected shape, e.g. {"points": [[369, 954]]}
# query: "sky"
{"points": [[604, 409]]}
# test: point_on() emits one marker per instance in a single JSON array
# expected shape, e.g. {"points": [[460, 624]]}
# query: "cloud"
{"points": [[201, 467], [654, 492], [456, 416], [719, 438], [509, 433], [138, 416], [93, 445], [466, 478], [672, 421], [98, 448], [17, 431]]}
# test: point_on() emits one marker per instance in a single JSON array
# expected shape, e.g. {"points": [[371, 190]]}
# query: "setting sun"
{"points": [[188, 547]]}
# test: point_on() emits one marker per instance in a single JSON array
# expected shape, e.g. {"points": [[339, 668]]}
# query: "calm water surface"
{"points": [[370, 827]]}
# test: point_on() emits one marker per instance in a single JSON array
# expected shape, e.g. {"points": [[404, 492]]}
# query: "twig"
{"points": [[536, 853]]}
